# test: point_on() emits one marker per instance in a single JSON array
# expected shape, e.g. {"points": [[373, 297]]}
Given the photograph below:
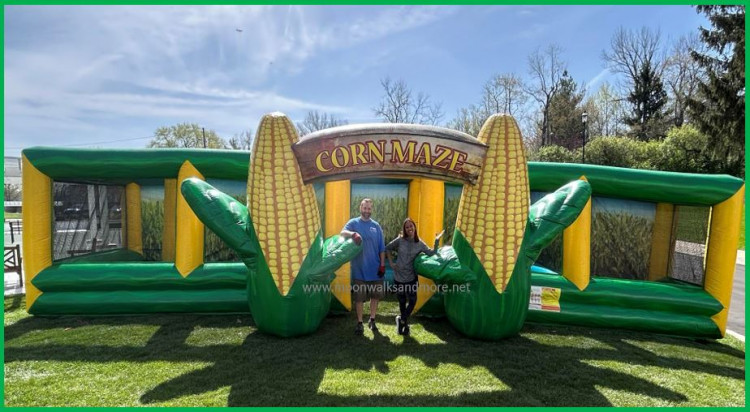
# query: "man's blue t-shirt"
{"points": [[365, 265]]}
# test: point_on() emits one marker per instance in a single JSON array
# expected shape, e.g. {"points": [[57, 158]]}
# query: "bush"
{"points": [[612, 151], [684, 150], [554, 153], [647, 155]]}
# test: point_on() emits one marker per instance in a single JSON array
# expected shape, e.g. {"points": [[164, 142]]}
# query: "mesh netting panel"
{"points": [[691, 230], [87, 219]]}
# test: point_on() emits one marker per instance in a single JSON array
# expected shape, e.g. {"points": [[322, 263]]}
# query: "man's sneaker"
{"points": [[373, 326], [399, 328], [360, 329], [406, 330]]}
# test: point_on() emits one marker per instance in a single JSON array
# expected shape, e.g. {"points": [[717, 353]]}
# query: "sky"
{"points": [[109, 76]]}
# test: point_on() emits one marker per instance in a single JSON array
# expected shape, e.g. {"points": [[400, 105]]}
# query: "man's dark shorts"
{"points": [[363, 290]]}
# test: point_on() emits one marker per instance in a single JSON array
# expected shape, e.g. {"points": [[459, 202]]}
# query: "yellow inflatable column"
{"points": [[577, 249], [426, 204], [189, 230], [337, 199], [134, 236], [661, 242], [168, 235], [37, 226], [721, 252], [413, 201]]}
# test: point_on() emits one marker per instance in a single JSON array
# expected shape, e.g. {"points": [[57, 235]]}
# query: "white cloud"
{"points": [[72, 70]]}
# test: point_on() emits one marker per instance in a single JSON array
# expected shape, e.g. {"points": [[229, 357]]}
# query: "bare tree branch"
{"points": [[682, 75], [315, 121], [546, 68], [399, 106], [631, 50], [242, 141]]}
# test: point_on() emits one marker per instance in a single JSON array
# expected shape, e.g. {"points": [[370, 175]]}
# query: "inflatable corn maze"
{"points": [[123, 231]]}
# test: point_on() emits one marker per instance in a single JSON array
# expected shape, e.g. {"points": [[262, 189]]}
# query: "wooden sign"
{"points": [[389, 149]]}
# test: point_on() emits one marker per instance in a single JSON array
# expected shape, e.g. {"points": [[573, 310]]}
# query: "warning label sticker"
{"points": [[544, 298]]}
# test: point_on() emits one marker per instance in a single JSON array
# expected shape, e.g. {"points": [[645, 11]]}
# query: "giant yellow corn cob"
{"points": [[492, 214], [283, 209]]}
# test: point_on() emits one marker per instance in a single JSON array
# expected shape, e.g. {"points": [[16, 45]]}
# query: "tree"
{"points": [[636, 55], [682, 76], [12, 192], [631, 51], [315, 121], [648, 99], [564, 114], [546, 69], [242, 141], [399, 105], [469, 120], [719, 108], [605, 110], [187, 135], [502, 93]]}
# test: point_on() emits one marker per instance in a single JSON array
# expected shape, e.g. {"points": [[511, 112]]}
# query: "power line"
{"points": [[90, 143]]}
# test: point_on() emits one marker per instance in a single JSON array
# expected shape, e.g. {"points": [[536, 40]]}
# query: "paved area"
{"points": [[736, 320], [12, 284]]}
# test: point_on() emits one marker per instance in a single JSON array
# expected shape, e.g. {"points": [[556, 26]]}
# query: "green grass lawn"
{"points": [[192, 360]]}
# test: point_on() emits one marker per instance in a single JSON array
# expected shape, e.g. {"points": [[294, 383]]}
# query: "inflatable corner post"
{"points": [[278, 236], [497, 238]]}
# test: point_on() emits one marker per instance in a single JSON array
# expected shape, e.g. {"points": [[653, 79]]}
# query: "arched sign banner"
{"points": [[389, 149]]}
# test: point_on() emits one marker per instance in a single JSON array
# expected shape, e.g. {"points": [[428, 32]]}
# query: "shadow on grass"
{"points": [[13, 303], [269, 371]]}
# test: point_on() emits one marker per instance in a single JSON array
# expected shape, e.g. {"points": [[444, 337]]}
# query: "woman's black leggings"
{"points": [[407, 298]]}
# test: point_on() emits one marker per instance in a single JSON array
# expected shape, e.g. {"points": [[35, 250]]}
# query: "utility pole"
{"points": [[204, 137]]}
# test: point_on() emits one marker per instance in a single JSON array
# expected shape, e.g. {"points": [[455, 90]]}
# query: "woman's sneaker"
{"points": [[399, 328]]}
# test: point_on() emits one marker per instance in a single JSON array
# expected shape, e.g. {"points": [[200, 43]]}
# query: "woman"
{"points": [[407, 246]]}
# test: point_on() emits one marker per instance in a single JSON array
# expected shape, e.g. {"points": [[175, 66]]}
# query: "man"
{"points": [[368, 268]]}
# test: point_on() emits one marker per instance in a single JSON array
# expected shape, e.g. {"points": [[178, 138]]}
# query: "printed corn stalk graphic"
{"points": [[497, 238], [278, 236], [621, 244]]}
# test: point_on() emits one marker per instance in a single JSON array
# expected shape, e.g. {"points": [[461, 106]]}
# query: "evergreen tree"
{"points": [[719, 109], [648, 98], [565, 111]]}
